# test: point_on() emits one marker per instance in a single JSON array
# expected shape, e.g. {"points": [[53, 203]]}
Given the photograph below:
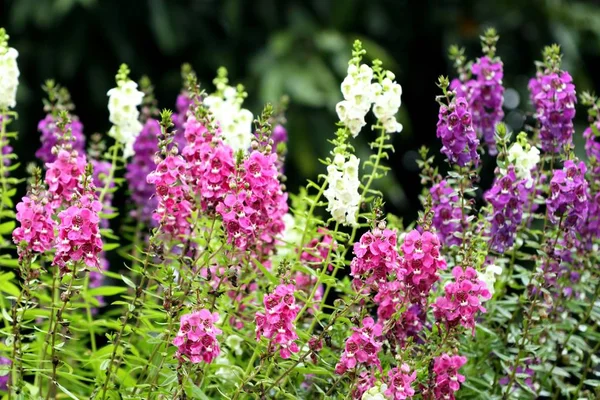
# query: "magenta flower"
{"points": [[174, 207], [37, 226], [277, 322], [447, 378], [376, 259], [63, 176], [462, 299], [78, 232], [422, 260], [362, 347], [399, 383], [196, 340]]}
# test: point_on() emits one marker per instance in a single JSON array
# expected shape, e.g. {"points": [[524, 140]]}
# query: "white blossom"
{"points": [[387, 103], [523, 160], [489, 276], [124, 114], [376, 393], [235, 121], [342, 191], [9, 77], [359, 94]]}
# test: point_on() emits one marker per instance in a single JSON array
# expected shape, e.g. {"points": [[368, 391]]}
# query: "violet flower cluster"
{"points": [[455, 129], [485, 95], [553, 96]]}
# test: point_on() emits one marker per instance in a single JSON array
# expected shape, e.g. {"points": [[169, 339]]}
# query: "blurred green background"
{"points": [[295, 47]]}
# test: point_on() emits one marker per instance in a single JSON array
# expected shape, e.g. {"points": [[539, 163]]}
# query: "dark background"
{"points": [[294, 47]]}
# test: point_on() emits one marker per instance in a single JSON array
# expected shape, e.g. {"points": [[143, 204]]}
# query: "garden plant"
{"points": [[216, 282]]}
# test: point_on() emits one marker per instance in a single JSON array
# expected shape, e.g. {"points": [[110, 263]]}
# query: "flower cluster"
{"points": [[422, 261], [507, 197], [447, 213], [9, 73], [254, 215], [277, 322], [553, 96], [79, 233], [359, 93], [399, 383], [226, 106], [362, 347], [462, 299], [63, 176], [174, 206], [455, 129], [387, 102], [485, 95], [34, 213], [524, 158], [211, 163], [342, 191], [568, 196], [124, 114], [139, 167], [447, 378], [376, 259], [489, 276], [51, 136], [377, 392], [592, 141], [197, 337]]}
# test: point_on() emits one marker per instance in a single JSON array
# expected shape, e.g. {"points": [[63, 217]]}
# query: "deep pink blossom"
{"points": [[422, 261], [400, 383], [37, 226], [63, 176], [277, 322], [362, 347], [79, 237], [196, 340], [447, 378], [376, 259], [462, 299]]}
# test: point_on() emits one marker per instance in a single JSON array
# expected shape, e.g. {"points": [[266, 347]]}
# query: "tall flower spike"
{"points": [[568, 196], [455, 129], [553, 97], [9, 73], [124, 115], [484, 92], [447, 213], [138, 169], [342, 191], [79, 237], [226, 105]]}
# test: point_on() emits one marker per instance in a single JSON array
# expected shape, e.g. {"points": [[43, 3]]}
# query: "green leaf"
{"points": [[128, 281], [65, 391], [267, 273], [106, 291], [110, 246], [7, 227]]}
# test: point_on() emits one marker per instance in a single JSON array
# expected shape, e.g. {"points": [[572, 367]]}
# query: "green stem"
{"points": [[111, 174], [3, 123], [88, 310], [54, 294]]}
